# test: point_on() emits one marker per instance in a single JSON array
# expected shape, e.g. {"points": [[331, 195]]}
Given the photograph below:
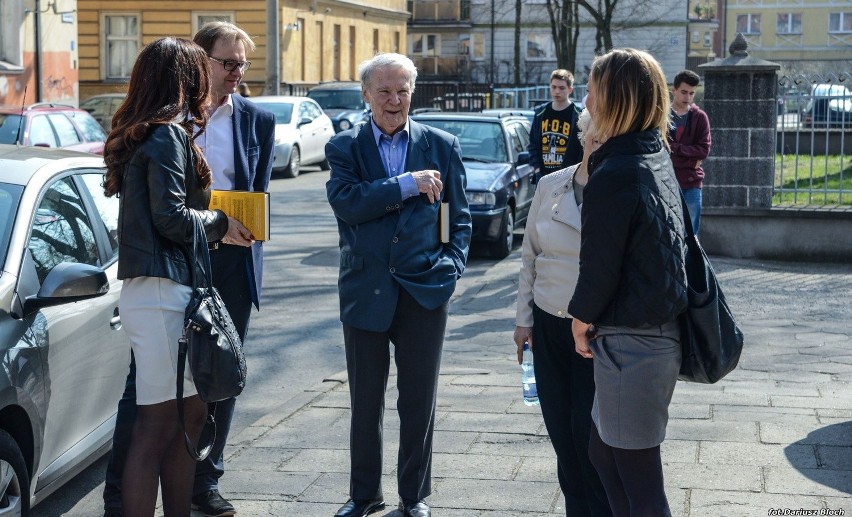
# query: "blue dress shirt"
{"points": [[394, 150]]}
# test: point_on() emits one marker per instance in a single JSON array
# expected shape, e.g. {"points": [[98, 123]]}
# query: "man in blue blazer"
{"points": [[238, 144], [388, 180]]}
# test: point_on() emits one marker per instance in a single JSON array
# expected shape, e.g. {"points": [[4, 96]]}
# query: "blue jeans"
{"points": [[693, 204]]}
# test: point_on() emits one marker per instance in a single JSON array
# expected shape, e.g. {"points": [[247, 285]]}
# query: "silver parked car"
{"points": [[301, 132], [64, 357]]}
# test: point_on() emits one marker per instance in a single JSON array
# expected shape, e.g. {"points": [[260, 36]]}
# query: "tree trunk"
{"points": [[518, 42]]}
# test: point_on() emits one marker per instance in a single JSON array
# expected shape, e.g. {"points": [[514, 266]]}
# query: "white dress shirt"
{"points": [[217, 144]]}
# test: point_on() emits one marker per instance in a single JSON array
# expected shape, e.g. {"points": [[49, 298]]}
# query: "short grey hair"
{"points": [[389, 60]]}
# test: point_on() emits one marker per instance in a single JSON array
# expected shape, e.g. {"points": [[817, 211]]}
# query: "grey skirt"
{"points": [[635, 374]]}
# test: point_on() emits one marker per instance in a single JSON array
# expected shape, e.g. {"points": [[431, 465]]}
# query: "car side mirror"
{"points": [[523, 157], [303, 121], [68, 282]]}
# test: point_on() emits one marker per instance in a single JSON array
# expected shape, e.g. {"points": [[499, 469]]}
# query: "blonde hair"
{"points": [[631, 93]]}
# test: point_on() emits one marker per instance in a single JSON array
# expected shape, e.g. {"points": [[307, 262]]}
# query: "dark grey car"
{"points": [[64, 357], [500, 180], [342, 102]]}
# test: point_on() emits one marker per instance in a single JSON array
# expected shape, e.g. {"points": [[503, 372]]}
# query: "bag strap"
{"points": [[196, 454], [199, 239]]}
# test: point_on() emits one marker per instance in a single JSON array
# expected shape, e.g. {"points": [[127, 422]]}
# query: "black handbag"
{"points": [[711, 341], [210, 343]]}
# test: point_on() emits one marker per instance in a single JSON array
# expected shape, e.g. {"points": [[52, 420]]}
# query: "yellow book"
{"points": [[249, 208]]}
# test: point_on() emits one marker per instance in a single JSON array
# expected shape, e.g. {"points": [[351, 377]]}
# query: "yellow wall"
{"points": [[302, 60], [814, 43]]}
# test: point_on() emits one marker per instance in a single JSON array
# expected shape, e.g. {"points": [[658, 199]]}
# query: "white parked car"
{"points": [[301, 132]]}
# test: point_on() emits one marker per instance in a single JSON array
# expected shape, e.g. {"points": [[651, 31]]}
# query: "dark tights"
{"points": [[632, 478], [158, 456]]}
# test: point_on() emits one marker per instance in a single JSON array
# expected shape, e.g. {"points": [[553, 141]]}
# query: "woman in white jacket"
{"points": [[565, 381]]}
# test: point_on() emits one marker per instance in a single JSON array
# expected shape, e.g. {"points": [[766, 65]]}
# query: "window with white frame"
{"points": [[540, 46], [708, 39], [695, 36], [840, 22], [789, 23], [121, 42], [748, 23], [472, 45], [200, 18], [11, 19]]}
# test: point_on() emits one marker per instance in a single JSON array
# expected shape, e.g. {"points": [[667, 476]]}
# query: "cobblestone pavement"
{"points": [[775, 434]]}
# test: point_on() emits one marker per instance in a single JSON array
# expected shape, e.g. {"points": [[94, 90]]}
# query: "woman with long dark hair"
{"points": [[632, 281], [161, 179]]}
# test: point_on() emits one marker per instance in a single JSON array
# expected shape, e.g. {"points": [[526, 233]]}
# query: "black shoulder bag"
{"points": [[711, 341], [210, 343]]}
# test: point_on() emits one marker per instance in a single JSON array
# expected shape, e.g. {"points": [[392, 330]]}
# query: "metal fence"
{"points": [[814, 133]]}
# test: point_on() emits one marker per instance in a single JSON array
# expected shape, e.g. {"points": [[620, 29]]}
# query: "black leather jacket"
{"points": [[632, 248], [159, 192]]}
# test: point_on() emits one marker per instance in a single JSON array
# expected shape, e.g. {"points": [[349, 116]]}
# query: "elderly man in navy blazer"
{"points": [[238, 144], [388, 180]]}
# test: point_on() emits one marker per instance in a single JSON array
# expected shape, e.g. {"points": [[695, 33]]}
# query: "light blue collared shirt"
{"points": [[394, 150]]}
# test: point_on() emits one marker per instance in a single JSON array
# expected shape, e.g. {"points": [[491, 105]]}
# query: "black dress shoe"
{"points": [[212, 504], [360, 508], [416, 509]]}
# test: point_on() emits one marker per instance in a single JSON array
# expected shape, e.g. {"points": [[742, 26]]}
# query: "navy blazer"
{"points": [[385, 242], [254, 151]]}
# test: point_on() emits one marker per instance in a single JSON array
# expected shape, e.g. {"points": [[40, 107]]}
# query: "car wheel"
{"points": [[295, 165], [503, 245], [14, 479]]}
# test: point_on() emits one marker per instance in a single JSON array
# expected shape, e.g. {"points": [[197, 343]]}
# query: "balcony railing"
{"points": [[439, 10], [443, 66]]}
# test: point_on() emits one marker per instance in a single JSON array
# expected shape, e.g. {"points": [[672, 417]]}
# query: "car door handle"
{"points": [[115, 321]]}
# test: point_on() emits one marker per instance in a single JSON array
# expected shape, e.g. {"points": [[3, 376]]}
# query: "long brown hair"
{"points": [[631, 93], [170, 82]]}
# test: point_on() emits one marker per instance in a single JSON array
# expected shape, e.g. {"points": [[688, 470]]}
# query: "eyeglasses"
{"points": [[230, 65]]}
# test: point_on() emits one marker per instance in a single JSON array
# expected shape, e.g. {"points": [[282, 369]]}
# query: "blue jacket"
{"points": [[254, 151], [385, 242]]}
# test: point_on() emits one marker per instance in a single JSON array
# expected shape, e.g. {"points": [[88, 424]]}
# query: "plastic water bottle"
{"points": [[528, 378]]}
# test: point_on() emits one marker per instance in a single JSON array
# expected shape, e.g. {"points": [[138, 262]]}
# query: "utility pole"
{"points": [[273, 49]]}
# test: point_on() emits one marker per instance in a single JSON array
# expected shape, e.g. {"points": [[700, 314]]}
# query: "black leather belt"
{"points": [[213, 246]]}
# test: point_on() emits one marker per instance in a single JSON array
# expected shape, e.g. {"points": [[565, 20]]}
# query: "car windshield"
{"points": [[480, 140], [283, 111], [9, 125], [10, 196], [338, 99]]}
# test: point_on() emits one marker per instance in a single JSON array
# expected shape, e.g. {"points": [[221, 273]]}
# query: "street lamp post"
{"points": [[273, 49]]}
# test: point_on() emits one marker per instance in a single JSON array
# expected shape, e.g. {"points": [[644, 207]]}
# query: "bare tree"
{"points": [[518, 42], [565, 27], [634, 14]]}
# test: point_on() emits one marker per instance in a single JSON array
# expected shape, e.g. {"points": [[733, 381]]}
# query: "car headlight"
{"points": [[481, 198], [345, 124]]}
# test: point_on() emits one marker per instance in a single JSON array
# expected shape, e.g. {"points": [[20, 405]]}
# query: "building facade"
{"points": [[321, 40], [475, 39], [38, 52], [801, 35]]}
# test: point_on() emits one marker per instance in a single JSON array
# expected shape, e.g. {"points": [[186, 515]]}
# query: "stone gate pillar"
{"points": [[739, 98]]}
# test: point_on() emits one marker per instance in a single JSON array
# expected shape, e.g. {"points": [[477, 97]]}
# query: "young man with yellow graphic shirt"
{"points": [[554, 144]]}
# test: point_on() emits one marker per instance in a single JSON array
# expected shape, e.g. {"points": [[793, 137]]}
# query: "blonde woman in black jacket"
{"points": [[632, 284]]}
